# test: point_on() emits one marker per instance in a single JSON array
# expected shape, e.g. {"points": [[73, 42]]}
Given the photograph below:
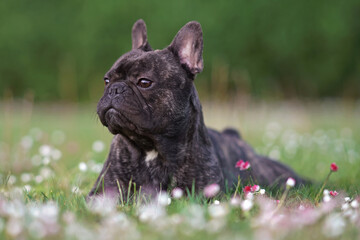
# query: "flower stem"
{"points": [[283, 197], [322, 188], [237, 186]]}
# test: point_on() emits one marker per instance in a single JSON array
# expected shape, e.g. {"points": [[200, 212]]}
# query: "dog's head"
{"points": [[148, 92]]}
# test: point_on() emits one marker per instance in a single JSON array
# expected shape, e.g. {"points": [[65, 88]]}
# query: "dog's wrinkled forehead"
{"points": [[137, 63]]}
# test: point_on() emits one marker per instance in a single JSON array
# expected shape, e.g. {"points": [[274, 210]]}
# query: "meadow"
{"points": [[51, 154]]}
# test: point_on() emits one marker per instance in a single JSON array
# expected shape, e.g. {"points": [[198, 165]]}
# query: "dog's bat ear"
{"points": [[139, 36], [188, 46]]}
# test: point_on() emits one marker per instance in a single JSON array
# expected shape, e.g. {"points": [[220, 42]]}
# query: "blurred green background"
{"points": [[278, 49]]}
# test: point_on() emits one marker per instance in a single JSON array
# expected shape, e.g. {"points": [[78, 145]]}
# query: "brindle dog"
{"points": [[152, 107]]}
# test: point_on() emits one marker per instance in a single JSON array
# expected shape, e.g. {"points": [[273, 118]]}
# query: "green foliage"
{"points": [[278, 48]]}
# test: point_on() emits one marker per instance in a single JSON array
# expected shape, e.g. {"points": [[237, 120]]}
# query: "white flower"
{"points": [[45, 150], [262, 191], [15, 209], [27, 188], [326, 198], [98, 146], [334, 225], [46, 160], [102, 205], [249, 196], [246, 205], [150, 212], [177, 193], [347, 199], [26, 177], [46, 172], [290, 182], [326, 192], [56, 154], [163, 199], [345, 206], [82, 166], [354, 204], [217, 210], [216, 202], [49, 212]]}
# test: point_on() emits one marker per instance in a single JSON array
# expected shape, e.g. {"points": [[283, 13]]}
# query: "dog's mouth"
{"points": [[110, 112], [117, 122]]}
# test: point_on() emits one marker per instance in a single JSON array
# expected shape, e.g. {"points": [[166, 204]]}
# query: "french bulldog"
{"points": [[160, 141]]}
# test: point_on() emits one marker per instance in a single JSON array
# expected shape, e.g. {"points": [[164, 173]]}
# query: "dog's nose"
{"points": [[116, 89]]}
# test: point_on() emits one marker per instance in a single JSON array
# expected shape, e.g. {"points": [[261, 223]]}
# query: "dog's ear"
{"points": [[139, 36], [188, 46]]}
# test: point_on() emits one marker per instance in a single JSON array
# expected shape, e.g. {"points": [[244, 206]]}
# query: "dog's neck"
{"points": [[192, 138]]}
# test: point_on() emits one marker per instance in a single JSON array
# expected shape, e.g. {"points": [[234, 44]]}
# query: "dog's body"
{"points": [[151, 106]]}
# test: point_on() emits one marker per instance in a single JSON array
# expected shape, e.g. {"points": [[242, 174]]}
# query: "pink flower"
{"points": [[333, 193], [334, 167], [249, 188], [211, 190], [242, 165], [255, 188], [177, 193]]}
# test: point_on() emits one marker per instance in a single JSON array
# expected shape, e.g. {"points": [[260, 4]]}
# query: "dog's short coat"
{"points": [[151, 106]]}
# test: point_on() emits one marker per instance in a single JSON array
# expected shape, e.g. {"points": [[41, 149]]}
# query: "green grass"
{"points": [[306, 136]]}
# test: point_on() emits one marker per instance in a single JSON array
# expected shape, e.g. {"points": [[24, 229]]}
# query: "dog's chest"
{"points": [[151, 157], [156, 168]]}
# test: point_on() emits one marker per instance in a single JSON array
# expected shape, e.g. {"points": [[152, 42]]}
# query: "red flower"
{"points": [[334, 167], [242, 165], [333, 193], [247, 189]]}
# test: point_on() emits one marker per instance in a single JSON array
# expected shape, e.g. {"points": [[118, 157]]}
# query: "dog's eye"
{"points": [[106, 81], [144, 83]]}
